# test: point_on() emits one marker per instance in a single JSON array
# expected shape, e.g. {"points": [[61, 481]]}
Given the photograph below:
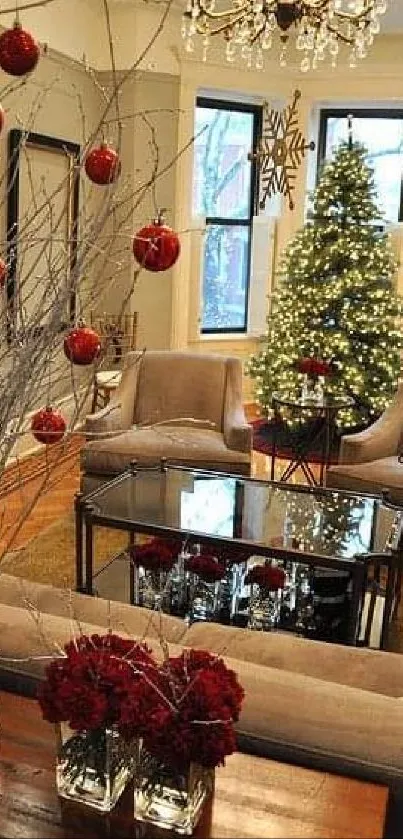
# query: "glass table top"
{"points": [[297, 400], [259, 513]]}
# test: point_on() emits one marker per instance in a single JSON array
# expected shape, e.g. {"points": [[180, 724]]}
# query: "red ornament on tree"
{"points": [[82, 345], [19, 52], [3, 273], [156, 246], [102, 165], [48, 425]]}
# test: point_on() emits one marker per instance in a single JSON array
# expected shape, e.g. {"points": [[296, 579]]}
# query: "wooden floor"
{"points": [[36, 492]]}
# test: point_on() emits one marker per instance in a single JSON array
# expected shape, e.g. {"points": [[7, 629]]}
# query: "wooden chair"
{"points": [[118, 335]]}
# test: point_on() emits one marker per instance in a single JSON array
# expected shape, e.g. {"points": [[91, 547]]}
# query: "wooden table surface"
{"points": [[254, 798]]}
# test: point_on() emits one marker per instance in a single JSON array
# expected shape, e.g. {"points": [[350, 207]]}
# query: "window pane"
{"points": [[383, 138], [225, 281], [222, 172]]}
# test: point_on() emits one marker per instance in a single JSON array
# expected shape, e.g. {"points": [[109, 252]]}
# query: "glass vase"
{"points": [[264, 608], [205, 600], [171, 799], [93, 767], [153, 589]]}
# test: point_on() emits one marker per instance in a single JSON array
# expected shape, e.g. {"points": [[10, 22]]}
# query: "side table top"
{"points": [[254, 798], [296, 400]]}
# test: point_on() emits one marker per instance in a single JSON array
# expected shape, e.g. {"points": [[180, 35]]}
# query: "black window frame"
{"points": [[366, 113], [257, 113]]}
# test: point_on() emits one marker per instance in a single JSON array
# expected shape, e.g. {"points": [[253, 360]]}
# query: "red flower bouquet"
{"points": [[205, 700], [103, 680], [268, 577], [314, 367], [206, 567], [157, 554], [105, 694]]}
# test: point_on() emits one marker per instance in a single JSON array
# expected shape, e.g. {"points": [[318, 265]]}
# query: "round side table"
{"points": [[319, 433]]}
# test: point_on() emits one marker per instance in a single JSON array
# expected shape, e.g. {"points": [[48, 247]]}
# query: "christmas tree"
{"points": [[335, 299]]}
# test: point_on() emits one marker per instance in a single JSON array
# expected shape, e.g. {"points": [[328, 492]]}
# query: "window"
{"points": [[224, 192], [381, 131]]}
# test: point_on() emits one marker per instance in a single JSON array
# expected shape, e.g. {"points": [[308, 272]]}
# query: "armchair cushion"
{"points": [[199, 447], [375, 476]]}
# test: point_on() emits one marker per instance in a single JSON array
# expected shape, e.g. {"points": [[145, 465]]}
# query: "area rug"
{"points": [[266, 432], [50, 556]]}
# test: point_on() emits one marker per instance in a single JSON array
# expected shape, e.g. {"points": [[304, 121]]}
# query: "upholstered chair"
{"points": [[186, 407], [369, 461]]}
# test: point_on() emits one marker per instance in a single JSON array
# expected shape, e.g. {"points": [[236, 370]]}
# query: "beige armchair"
{"points": [[183, 406], [368, 461]]}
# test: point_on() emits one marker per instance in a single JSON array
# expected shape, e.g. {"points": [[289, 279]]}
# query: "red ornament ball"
{"points": [[102, 165], [48, 425], [156, 246], [19, 52], [82, 345], [3, 273]]}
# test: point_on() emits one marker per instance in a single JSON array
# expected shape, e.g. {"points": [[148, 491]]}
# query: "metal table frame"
{"points": [[87, 517], [326, 411]]}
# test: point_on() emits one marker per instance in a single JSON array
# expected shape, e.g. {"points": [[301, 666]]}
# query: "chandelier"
{"points": [[250, 27]]}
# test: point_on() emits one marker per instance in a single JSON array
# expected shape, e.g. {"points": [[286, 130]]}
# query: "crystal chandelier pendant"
{"points": [[315, 29]]}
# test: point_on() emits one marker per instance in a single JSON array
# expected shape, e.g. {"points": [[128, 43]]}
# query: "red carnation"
{"points": [[206, 567], [157, 554], [99, 677], [314, 366], [269, 577], [206, 700]]}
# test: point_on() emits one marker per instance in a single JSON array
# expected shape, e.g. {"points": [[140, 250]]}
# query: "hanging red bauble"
{"points": [[48, 425], [3, 273], [19, 52], [102, 165], [156, 246], [82, 345]]}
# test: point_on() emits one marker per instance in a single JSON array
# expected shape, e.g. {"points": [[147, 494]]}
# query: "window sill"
{"points": [[229, 336]]}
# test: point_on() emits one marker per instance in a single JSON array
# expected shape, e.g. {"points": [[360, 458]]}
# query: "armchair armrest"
{"points": [[381, 439], [105, 423], [237, 432]]}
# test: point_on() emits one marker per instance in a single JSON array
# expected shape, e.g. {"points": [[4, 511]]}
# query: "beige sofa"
{"points": [[186, 407], [328, 706]]}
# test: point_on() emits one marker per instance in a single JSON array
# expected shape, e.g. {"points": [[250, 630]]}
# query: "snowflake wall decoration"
{"points": [[280, 151]]}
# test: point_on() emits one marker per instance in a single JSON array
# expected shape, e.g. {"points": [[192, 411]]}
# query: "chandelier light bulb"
{"points": [[318, 27]]}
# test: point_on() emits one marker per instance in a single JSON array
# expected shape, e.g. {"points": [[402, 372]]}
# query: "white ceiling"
{"points": [[392, 21]]}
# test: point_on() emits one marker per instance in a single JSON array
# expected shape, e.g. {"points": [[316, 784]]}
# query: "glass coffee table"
{"points": [[335, 547]]}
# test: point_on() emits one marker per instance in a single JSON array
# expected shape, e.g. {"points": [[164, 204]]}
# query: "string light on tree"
{"points": [[336, 298]]}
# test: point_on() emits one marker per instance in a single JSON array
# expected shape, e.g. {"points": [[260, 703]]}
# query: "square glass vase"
{"points": [[170, 799], [93, 767]]}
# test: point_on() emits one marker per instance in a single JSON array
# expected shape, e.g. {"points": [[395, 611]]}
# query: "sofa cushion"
{"points": [[299, 717], [370, 670], [360, 728], [198, 446], [29, 640], [373, 476], [122, 617]]}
